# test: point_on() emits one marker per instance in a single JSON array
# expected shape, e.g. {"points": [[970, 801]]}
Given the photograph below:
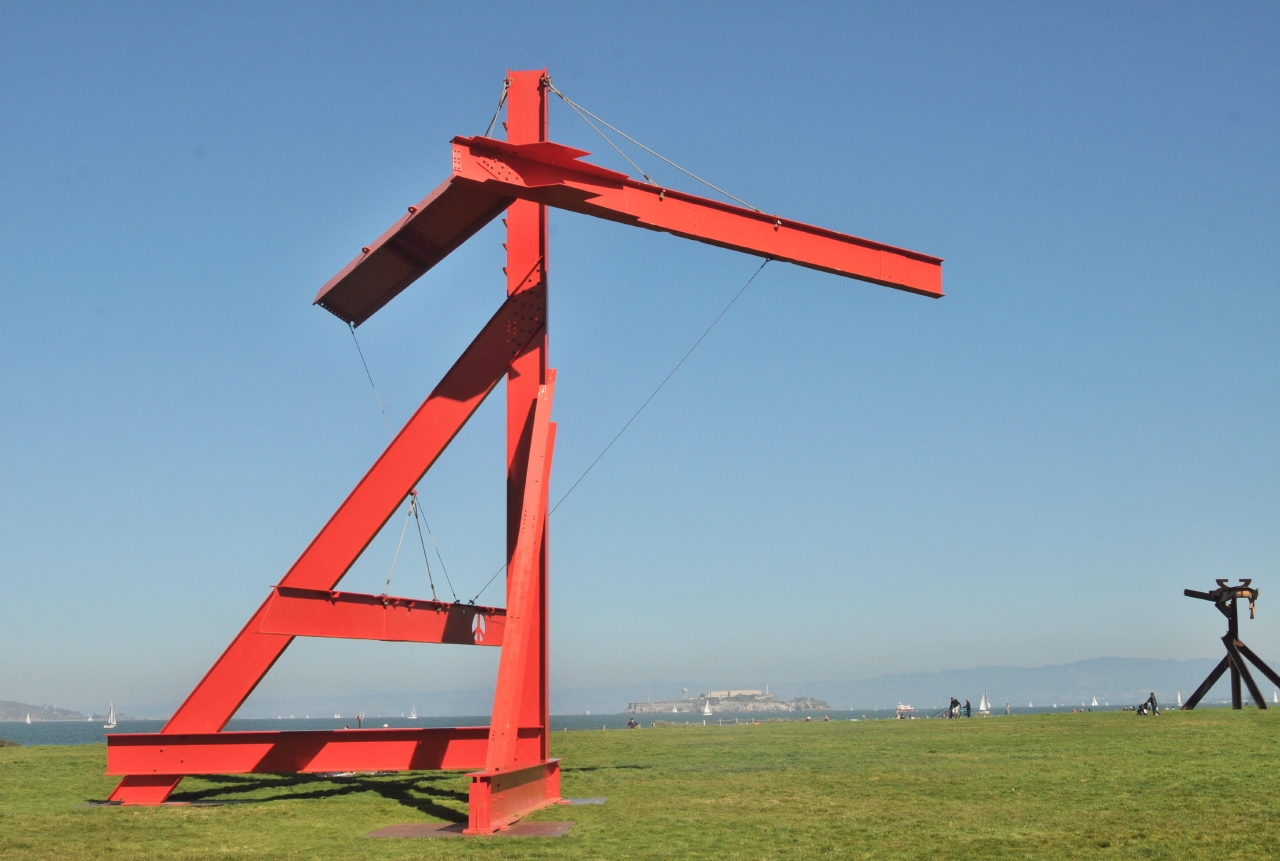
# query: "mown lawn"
{"points": [[1202, 784]]}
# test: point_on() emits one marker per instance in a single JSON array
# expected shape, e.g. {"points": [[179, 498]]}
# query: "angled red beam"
{"points": [[144, 754], [439, 223], [355, 616], [368, 507], [522, 589], [552, 174]]}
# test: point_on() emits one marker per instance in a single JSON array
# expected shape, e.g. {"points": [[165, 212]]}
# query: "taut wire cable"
{"points": [[581, 110], [634, 415]]}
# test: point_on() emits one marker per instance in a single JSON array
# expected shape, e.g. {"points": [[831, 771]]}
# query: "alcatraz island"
{"points": [[714, 702]]}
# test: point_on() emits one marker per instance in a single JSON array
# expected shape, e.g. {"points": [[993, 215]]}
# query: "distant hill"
{"points": [[1119, 681], [11, 711], [1114, 680]]}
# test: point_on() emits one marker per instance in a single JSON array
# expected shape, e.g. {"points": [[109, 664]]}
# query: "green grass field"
{"points": [[1202, 784]]}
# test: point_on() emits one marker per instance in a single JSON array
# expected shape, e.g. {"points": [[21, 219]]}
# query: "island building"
{"points": [[727, 701]]}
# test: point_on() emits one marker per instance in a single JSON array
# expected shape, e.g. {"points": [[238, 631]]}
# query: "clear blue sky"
{"points": [[843, 480]]}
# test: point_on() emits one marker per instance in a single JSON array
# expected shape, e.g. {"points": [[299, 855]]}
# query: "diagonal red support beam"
{"points": [[235, 674], [356, 616]]}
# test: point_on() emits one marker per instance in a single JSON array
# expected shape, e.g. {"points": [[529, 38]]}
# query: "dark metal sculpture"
{"points": [[1225, 598]]}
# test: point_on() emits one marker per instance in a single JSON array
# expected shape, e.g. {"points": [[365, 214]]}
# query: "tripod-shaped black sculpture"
{"points": [[1224, 598]]}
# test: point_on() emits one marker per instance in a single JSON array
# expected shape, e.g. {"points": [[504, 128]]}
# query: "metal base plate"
{"points": [[454, 829]]}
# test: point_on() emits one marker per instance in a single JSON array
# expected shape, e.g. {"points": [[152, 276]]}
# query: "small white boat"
{"points": [[1179, 699], [28, 717], [111, 718], [413, 713], [89, 718], [706, 708], [1095, 701], [588, 711], [984, 705], [1029, 705], [337, 716], [1275, 696]]}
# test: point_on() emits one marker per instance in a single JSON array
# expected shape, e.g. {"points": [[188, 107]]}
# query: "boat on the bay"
{"points": [[111, 718], [413, 713], [706, 708]]}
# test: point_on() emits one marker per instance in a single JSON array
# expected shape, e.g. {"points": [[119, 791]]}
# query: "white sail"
{"points": [[1095, 701], [28, 717], [1179, 699], [984, 706], [111, 718], [1275, 696], [413, 713], [706, 709], [1029, 705]]}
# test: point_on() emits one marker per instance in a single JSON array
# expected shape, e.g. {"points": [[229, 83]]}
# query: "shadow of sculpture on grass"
{"points": [[427, 793]]}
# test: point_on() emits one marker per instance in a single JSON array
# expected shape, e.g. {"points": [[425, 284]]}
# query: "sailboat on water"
{"points": [[1275, 696], [1179, 699], [1095, 701], [706, 708], [984, 705], [413, 713], [111, 718], [28, 718]]}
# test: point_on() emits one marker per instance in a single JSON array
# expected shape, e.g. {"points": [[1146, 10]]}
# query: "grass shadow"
{"points": [[420, 792]]}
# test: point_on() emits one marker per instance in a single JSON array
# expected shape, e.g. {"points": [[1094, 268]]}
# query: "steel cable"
{"points": [[581, 110], [634, 415]]}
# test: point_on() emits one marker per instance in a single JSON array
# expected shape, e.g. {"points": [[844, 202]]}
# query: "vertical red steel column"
{"points": [[527, 269]]}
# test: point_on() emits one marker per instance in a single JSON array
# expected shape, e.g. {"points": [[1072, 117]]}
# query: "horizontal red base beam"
{"points": [[499, 798], [429, 748], [353, 615]]}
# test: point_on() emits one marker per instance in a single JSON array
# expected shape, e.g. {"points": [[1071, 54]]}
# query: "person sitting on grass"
{"points": [[631, 724]]}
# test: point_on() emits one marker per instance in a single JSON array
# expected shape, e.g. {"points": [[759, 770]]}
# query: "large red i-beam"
{"points": [[512, 772]]}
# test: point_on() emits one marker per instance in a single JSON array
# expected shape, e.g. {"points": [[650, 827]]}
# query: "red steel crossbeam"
{"points": [[488, 175], [319, 613], [301, 751]]}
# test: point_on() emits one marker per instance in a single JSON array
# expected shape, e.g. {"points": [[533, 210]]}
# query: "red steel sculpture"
{"points": [[511, 771]]}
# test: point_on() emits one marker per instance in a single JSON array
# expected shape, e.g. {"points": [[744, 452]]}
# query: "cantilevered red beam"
{"points": [[488, 175], [352, 615]]}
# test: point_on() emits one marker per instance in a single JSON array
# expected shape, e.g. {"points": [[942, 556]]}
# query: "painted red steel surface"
{"points": [[303, 751], [490, 175], [551, 173], [496, 800], [232, 678], [319, 613], [523, 608], [440, 222], [522, 176]]}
